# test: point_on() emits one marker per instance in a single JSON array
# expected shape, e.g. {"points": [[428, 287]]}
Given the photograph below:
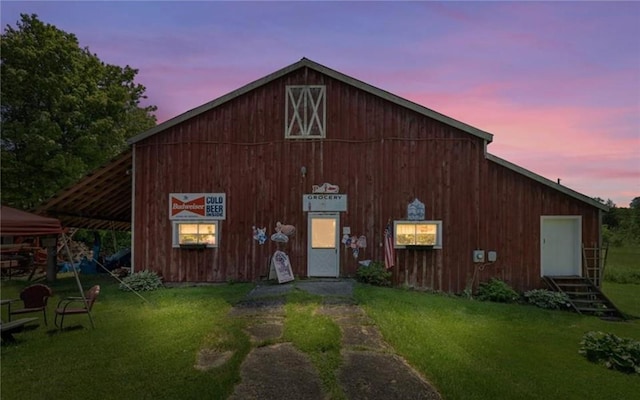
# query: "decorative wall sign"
{"points": [[197, 206], [355, 243], [288, 230], [279, 237], [324, 202], [325, 188], [260, 235], [280, 263], [416, 211]]}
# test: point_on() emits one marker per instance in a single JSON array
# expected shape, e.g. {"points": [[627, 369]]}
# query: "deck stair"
{"points": [[584, 296]]}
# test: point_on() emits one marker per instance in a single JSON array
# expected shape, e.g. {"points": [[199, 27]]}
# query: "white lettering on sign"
{"points": [[325, 196], [324, 202]]}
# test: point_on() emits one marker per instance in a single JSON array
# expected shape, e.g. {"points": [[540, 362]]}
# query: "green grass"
{"points": [[317, 336], [479, 350], [468, 349], [625, 296], [623, 265], [137, 350], [622, 279]]}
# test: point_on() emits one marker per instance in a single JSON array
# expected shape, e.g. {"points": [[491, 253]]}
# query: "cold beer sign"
{"points": [[197, 206]]}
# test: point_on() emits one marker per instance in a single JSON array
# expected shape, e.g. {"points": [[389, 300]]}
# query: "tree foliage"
{"points": [[621, 225], [64, 112]]}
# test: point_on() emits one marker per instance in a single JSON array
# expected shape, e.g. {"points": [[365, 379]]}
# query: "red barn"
{"points": [[341, 160]]}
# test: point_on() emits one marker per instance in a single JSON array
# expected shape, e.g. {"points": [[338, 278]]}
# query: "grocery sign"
{"points": [[197, 206]]}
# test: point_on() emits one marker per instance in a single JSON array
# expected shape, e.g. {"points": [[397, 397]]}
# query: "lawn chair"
{"points": [[35, 299], [65, 307]]}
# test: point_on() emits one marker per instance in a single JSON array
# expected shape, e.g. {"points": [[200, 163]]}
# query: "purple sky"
{"points": [[557, 83]]}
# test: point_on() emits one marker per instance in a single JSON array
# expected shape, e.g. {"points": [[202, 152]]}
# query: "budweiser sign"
{"points": [[197, 206]]}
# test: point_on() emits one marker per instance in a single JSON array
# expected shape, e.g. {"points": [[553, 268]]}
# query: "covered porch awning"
{"points": [[100, 200]]}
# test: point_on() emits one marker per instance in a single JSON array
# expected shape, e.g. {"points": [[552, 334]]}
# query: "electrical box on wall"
{"points": [[492, 256], [478, 256]]}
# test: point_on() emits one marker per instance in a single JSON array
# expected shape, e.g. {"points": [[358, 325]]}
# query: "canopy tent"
{"points": [[14, 222]]}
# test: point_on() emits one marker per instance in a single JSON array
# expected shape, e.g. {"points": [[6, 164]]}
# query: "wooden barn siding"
{"points": [[510, 224], [381, 155]]}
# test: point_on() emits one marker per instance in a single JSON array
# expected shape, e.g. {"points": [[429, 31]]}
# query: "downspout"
{"points": [[600, 259], [133, 207]]}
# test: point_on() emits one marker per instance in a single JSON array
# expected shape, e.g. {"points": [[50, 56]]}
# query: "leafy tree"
{"points": [[621, 225], [63, 111], [634, 220]]}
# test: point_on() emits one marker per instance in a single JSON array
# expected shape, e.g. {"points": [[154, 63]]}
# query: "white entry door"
{"points": [[323, 245], [560, 244]]}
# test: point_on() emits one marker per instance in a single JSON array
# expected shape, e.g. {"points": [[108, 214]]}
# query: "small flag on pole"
{"points": [[389, 256]]}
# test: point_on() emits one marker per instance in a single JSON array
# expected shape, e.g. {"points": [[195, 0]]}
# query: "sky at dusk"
{"points": [[556, 83]]}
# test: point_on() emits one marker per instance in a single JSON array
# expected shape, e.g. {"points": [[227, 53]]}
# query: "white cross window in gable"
{"points": [[305, 112]]}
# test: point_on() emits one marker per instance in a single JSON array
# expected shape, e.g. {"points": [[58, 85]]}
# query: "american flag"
{"points": [[389, 255]]}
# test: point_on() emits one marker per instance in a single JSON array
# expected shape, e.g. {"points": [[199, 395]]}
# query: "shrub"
{"points": [[142, 281], [498, 291], [620, 354], [374, 274], [544, 298]]}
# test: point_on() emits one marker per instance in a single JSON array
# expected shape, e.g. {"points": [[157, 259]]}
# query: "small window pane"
{"points": [[405, 234], [194, 233], [426, 234], [323, 233], [188, 228]]}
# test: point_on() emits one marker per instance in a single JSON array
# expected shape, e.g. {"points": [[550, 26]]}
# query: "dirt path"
{"points": [[370, 369]]}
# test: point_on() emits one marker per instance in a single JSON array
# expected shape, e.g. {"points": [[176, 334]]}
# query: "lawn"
{"points": [[468, 349], [137, 350], [622, 279], [623, 265], [477, 350]]}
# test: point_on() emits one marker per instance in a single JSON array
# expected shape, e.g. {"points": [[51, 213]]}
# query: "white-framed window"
{"points": [[417, 233], [305, 115], [195, 233]]}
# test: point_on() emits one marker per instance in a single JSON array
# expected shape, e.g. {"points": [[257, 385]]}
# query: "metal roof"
{"points": [[102, 199], [547, 182], [305, 62]]}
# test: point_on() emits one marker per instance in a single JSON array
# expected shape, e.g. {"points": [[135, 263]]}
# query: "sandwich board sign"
{"points": [[280, 267]]}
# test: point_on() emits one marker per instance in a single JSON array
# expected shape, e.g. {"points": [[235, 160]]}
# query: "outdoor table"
{"points": [[7, 302]]}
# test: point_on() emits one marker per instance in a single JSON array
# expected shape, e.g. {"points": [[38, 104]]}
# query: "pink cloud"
{"points": [[593, 149]]}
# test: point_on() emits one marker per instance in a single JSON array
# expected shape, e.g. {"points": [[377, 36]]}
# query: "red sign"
{"points": [[197, 206]]}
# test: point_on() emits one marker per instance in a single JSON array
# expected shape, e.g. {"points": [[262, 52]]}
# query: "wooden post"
{"points": [[52, 263], [51, 244]]}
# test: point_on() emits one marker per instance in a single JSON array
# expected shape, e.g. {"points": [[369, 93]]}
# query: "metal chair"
{"points": [[76, 305], [35, 299]]}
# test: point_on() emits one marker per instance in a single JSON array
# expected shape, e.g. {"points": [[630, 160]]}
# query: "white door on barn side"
{"points": [[323, 245], [560, 245]]}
